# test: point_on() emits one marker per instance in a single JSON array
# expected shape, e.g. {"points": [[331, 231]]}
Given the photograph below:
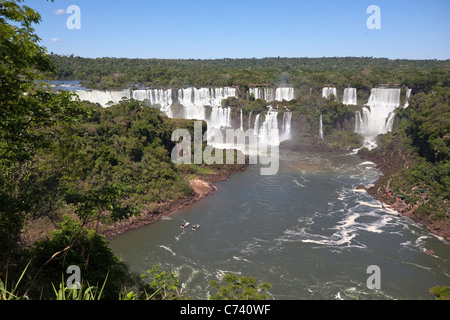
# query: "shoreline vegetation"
{"points": [[380, 191], [202, 186]]}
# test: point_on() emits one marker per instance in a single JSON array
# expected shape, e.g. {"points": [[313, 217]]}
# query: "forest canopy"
{"points": [[302, 73]]}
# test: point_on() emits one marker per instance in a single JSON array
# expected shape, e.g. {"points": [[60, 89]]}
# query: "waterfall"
{"points": [[195, 100], [408, 95], [268, 94], [358, 122], [284, 94], [256, 129], [242, 122], [286, 126], [154, 97], [151, 96], [328, 91], [269, 133], [263, 93], [220, 118], [103, 97], [380, 117], [321, 127], [350, 97]]}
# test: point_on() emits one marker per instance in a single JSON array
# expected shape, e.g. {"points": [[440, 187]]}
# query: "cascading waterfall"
{"points": [[154, 97], [321, 127], [103, 97], [262, 93], [284, 94], [269, 134], [286, 126], [408, 95], [220, 118], [256, 128], [242, 122], [328, 91], [358, 122], [350, 97], [380, 117], [268, 94], [195, 100], [151, 96]]}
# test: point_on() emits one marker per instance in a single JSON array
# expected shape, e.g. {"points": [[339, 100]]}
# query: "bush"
{"points": [[73, 244]]}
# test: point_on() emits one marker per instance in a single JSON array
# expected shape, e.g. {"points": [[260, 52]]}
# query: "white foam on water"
{"points": [[353, 221], [376, 226], [298, 183], [168, 249], [389, 210], [370, 204], [338, 296], [190, 278], [418, 265], [418, 244], [240, 259], [345, 233]]}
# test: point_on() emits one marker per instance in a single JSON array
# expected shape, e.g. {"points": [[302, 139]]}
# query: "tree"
{"points": [[26, 105], [239, 288], [29, 112], [92, 204], [441, 293], [163, 286], [73, 244]]}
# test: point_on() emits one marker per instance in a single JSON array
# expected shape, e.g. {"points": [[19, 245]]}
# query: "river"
{"points": [[307, 231]]}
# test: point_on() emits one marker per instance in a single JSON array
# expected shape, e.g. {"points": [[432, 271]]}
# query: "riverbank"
{"points": [[392, 160], [202, 186]]}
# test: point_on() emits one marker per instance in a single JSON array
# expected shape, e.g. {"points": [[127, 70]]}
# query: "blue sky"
{"points": [[212, 29]]}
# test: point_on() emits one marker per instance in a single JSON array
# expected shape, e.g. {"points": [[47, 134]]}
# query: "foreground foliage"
{"points": [[441, 293], [239, 288]]}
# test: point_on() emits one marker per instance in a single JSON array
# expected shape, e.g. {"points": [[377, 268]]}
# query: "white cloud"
{"points": [[55, 40], [59, 12]]}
